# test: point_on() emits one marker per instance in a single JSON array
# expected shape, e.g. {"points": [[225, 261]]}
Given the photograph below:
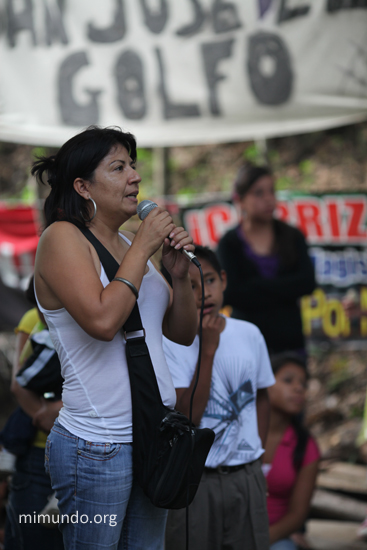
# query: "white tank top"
{"points": [[96, 391]]}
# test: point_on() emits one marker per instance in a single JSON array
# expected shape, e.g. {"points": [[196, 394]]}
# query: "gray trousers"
{"points": [[227, 513]]}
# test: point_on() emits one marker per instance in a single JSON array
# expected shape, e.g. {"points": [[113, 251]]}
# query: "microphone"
{"points": [[143, 209]]}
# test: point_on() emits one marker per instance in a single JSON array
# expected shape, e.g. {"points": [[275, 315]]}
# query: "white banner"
{"points": [[180, 72]]}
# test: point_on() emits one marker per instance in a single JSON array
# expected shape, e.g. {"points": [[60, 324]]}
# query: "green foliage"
{"points": [[144, 155], [306, 167], [172, 164], [28, 194], [196, 174], [356, 411], [145, 170], [339, 374], [274, 157], [337, 141], [253, 154], [307, 170], [299, 163], [227, 183], [284, 182], [40, 152], [188, 192]]}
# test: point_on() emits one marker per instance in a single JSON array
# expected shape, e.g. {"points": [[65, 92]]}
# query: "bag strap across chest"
{"points": [[110, 265], [143, 382]]}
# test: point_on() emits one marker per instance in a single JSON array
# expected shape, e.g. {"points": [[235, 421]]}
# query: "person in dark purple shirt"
{"points": [[267, 264]]}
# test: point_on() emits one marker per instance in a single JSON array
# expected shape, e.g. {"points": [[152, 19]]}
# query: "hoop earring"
{"points": [[95, 210]]}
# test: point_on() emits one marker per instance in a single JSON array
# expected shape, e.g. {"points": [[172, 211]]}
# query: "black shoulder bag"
{"points": [[41, 372], [168, 453]]}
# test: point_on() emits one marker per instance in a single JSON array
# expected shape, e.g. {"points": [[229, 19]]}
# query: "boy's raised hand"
{"points": [[212, 327]]}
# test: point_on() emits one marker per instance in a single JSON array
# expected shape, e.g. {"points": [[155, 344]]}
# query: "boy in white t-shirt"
{"points": [[229, 509]]}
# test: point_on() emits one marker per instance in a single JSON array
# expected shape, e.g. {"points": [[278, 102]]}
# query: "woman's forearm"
{"points": [[27, 399], [180, 322], [289, 523], [202, 392], [263, 414], [299, 504]]}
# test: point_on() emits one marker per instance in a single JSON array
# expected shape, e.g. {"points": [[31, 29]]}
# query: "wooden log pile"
{"points": [[339, 506], [336, 400]]}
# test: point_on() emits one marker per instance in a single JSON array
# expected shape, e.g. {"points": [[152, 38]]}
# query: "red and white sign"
{"points": [[19, 235], [324, 220]]}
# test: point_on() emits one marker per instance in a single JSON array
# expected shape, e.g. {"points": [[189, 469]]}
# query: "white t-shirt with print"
{"points": [[241, 367]]}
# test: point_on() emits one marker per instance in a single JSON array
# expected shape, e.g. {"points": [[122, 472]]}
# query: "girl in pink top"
{"points": [[291, 454]]}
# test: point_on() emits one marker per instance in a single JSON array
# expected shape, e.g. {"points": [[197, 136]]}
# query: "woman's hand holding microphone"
{"points": [[158, 228]]}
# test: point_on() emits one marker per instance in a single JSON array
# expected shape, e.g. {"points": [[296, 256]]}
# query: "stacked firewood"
{"points": [[336, 402]]}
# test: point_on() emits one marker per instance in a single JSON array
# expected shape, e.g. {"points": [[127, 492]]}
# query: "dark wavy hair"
{"points": [[247, 176], [277, 362], [205, 253], [77, 158], [202, 253]]}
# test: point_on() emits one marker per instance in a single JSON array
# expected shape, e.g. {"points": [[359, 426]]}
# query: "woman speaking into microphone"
{"points": [[94, 184]]}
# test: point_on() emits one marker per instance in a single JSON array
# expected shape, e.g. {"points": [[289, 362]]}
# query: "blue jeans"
{"points": [[284, 544], [30, 488], [101, 506]]}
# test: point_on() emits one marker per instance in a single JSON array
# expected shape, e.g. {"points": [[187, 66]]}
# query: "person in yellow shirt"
{"points": [[30, 487]]}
